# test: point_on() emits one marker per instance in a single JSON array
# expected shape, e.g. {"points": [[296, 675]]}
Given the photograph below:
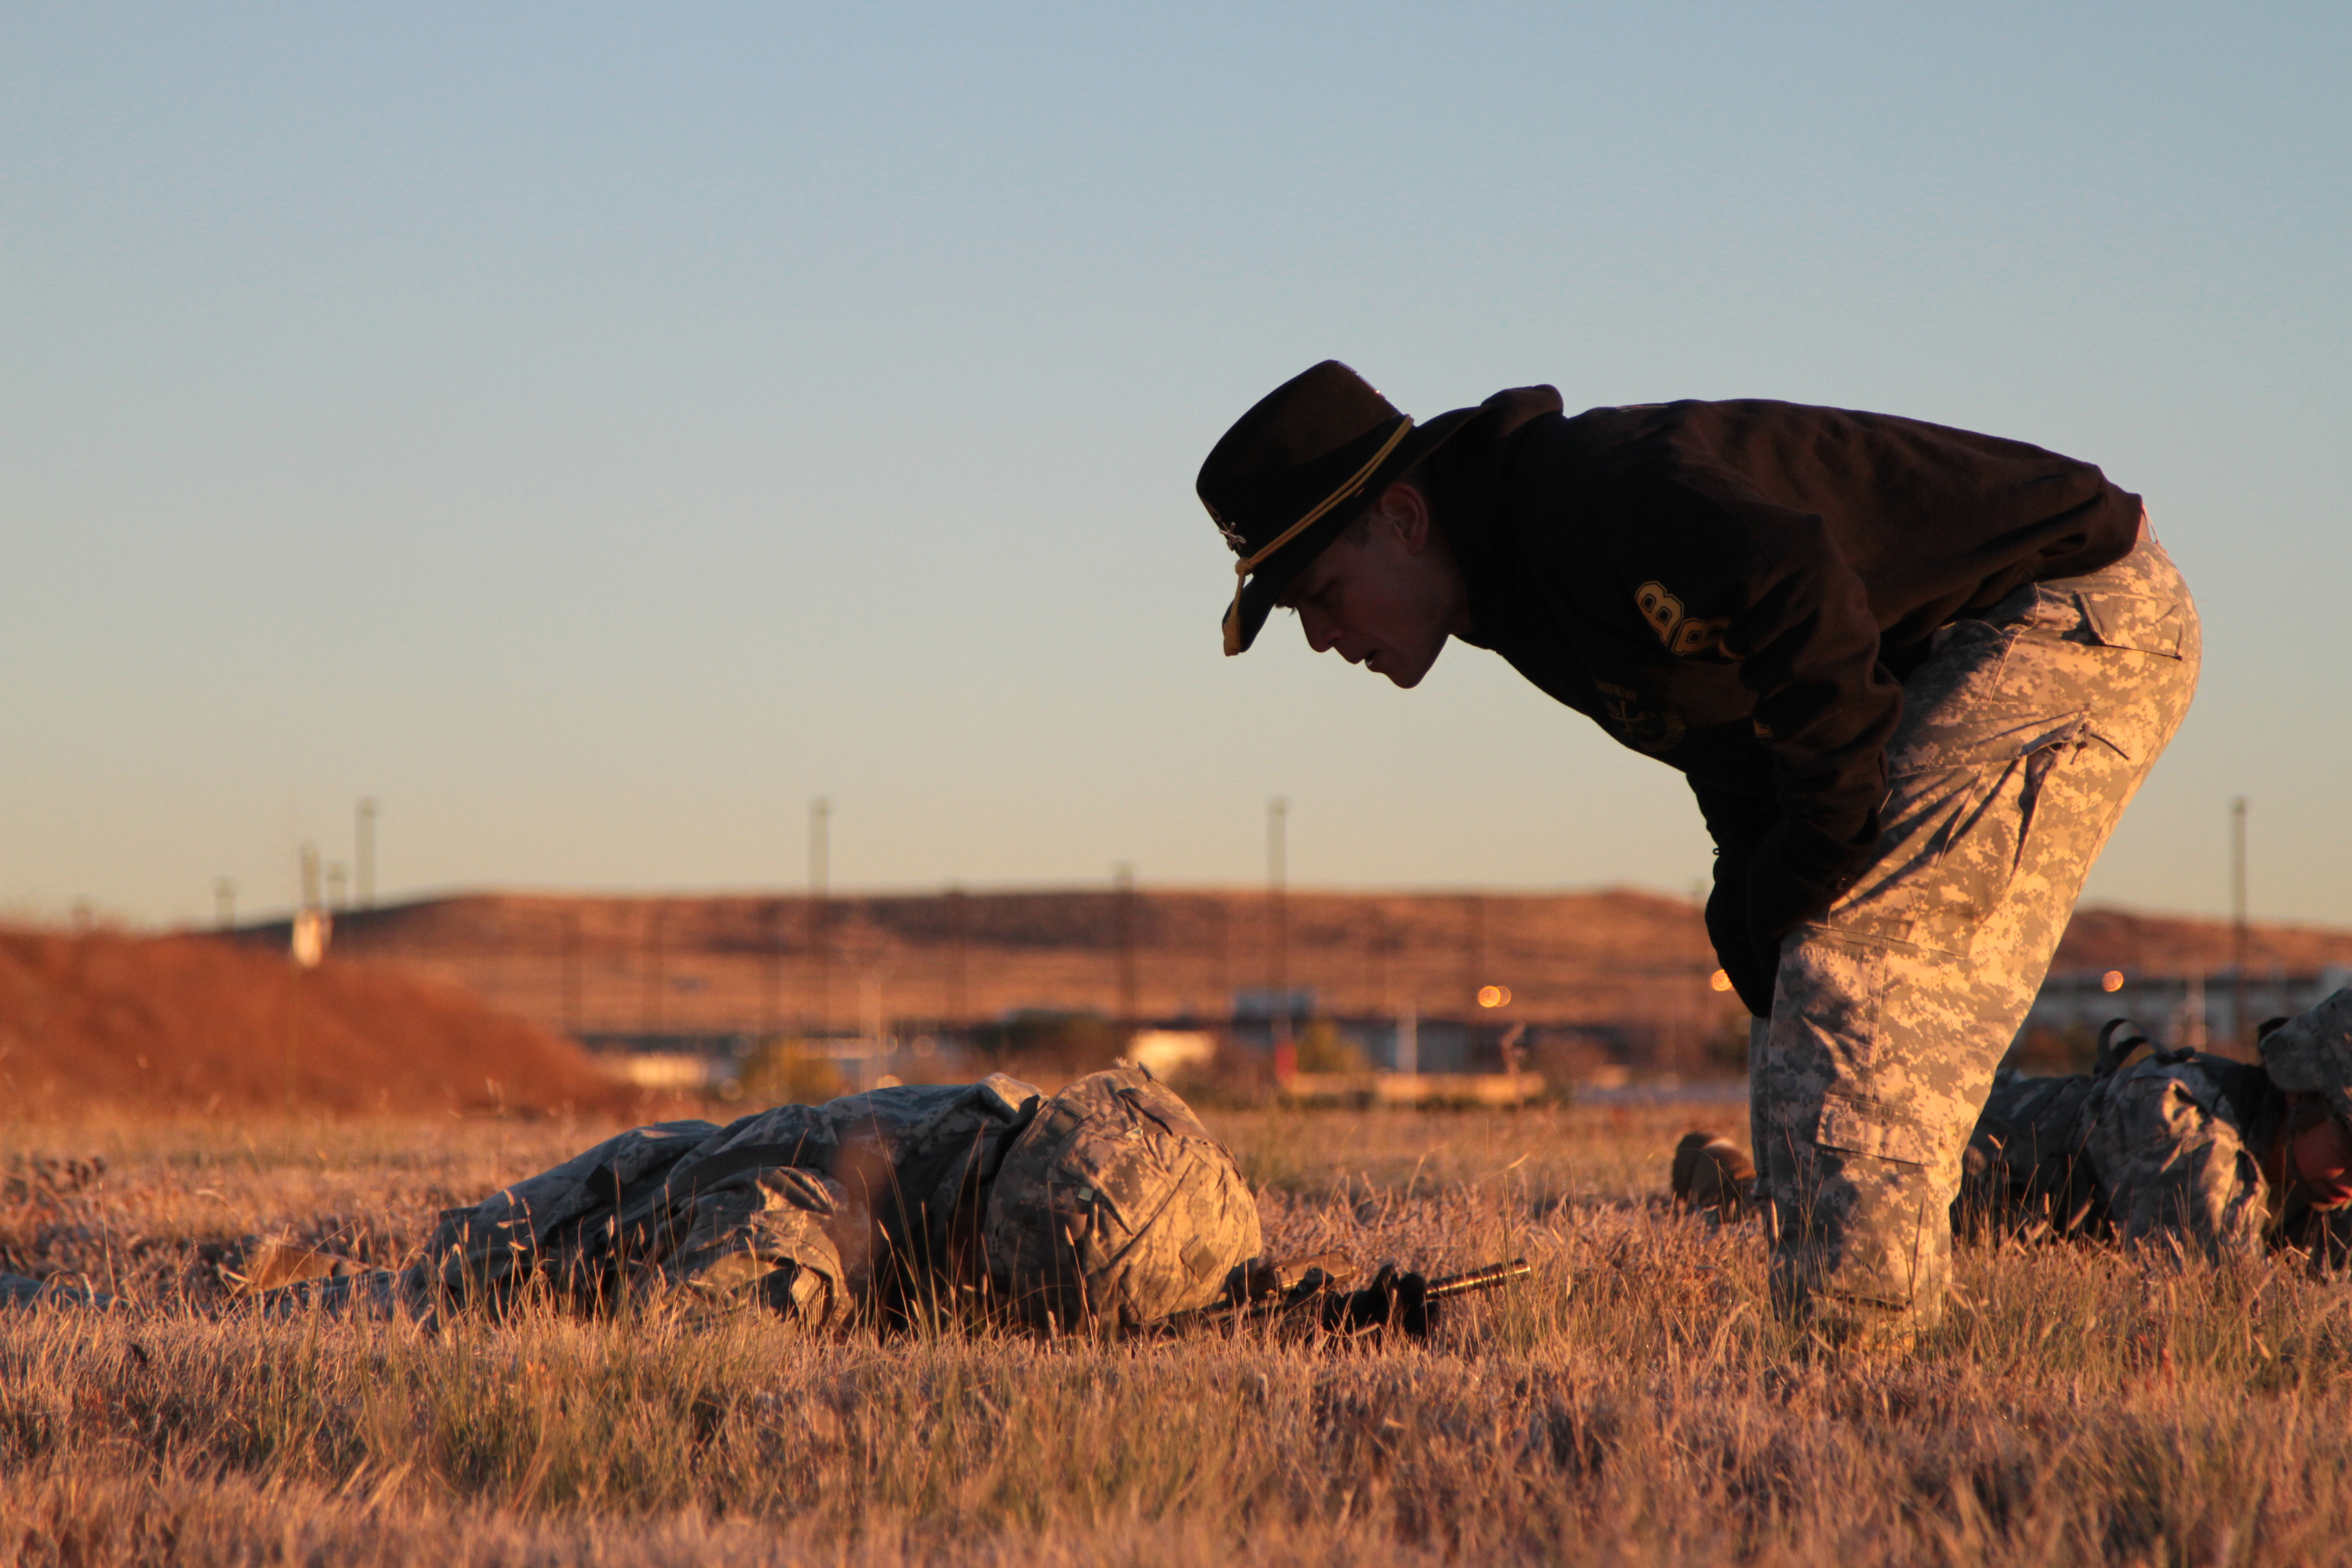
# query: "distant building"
{"points": [[2179, 1009]]}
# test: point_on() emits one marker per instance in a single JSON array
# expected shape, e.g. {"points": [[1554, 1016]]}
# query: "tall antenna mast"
{"points": [[1277, 893], [820, 848], [363, 854], [2240, 943]]}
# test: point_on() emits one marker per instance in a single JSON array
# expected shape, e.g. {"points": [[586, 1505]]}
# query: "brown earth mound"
{"points": [[2141, 944], [184, 1022]]}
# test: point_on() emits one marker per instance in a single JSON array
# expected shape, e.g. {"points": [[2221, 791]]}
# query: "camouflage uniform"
{"points": [[2163, 1150], [2024, 1163], [2024, 733], [1107, 1206], [796, 1206], [2156, 1151], [2168, 1148]]}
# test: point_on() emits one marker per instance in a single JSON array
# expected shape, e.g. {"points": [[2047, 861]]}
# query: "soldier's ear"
{"points": [[1405, 508]]}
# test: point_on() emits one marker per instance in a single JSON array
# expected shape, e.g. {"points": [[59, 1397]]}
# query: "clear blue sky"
{"points": [[594, 431]]}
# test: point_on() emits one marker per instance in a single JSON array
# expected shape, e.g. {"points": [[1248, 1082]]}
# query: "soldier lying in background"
{"points": [[1106, 1206], [2219, 1157]]}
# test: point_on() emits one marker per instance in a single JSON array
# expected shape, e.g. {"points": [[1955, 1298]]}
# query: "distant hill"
{"points": [[599, 964], [2145, 944], [193, 1022]]}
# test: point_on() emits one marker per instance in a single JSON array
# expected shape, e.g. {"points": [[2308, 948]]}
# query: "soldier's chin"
{"points": [[1404, 673]]}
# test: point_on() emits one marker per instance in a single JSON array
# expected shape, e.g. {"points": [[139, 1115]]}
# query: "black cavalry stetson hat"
{"points": [[1279, 483]]}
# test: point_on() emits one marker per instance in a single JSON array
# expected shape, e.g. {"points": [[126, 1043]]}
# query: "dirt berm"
{"points": [[188, 1023]]}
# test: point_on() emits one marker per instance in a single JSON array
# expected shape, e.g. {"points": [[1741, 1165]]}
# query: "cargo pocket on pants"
{"points": [[1876, 1229], [1990, 807], [1852, 1125]]}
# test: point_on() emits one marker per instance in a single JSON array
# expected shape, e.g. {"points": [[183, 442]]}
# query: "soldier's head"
{"points": [[1387, 593], [1318, 491], [2310, 1057], [1115, 1208]]}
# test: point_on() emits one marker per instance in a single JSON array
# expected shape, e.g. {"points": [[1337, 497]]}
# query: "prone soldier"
{"points": [[1106, 1205], [1107, 1208], [2217, 1157]]}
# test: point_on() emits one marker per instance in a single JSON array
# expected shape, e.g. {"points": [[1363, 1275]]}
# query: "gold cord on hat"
{"points": [[1249, 563]]}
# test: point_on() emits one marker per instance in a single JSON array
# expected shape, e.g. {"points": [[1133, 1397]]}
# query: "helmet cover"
{"points": [[2312, 1052], [1115, 1208]]}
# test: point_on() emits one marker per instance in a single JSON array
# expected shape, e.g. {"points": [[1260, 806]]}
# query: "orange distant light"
{"points": [[1719, 981], [1494, 995], [2112, 980]]}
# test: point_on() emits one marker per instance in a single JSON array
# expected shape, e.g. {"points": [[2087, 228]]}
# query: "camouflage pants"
{"points": [[2023, 736]]}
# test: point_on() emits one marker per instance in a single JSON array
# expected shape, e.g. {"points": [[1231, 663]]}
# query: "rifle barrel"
{"points": [[1487, 1278]]}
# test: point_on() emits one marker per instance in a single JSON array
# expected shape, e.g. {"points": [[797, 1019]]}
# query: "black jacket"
{"points": [[1739, 588]]}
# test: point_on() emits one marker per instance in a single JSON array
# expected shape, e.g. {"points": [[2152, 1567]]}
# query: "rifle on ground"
{"points": [[1306, 1294]]}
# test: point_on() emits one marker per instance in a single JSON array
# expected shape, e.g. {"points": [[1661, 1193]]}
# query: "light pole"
{"points": [[959, 957], [650, 1012], [571, 972], [820, 851], [1122, 882], [1220, 955], [363, 853], [1277, 892], [2239, 943], [771, 970], [1474, 945]]}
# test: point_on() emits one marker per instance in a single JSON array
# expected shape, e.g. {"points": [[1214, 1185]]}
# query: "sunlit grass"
{"points": [[1633, 1402]]}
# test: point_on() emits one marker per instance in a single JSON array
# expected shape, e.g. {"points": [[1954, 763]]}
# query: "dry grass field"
{"points": [[1630, 1403]]}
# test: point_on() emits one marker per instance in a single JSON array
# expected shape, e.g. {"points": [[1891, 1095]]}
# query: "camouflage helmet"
{"points": [[1115, 1208], [2312, 1052]]}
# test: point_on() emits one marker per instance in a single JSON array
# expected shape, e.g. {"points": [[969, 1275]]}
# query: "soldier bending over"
{"points": [[1912, 674]]}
